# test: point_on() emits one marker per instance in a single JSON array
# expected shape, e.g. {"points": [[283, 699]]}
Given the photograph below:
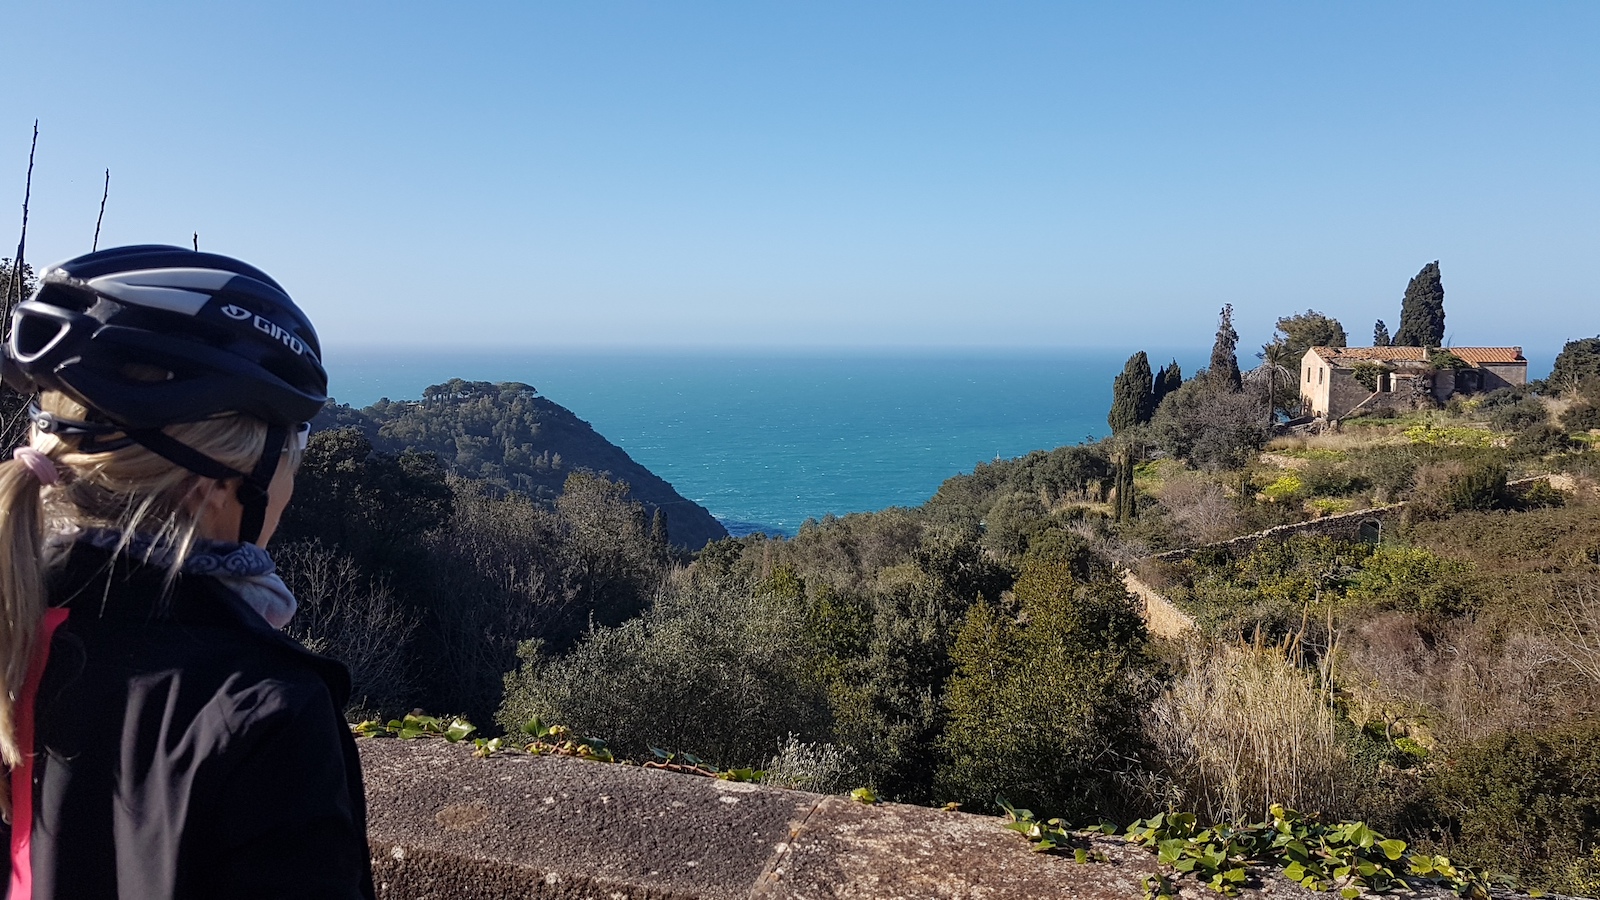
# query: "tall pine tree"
{"points": [[1422, 310], [1380, 334], [1224, 371], [1131, 400], [1300, 332]]}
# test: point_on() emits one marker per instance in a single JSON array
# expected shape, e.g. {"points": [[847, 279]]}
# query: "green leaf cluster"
{"points": [[1349, 857], [1368, 374], [416, 725], [1051, 834]]}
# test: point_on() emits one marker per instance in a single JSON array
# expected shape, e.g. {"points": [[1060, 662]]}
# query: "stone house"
{"points": [[1336, 380]]}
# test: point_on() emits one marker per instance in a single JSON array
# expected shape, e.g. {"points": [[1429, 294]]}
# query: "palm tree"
{"points": [[1273, 376]]}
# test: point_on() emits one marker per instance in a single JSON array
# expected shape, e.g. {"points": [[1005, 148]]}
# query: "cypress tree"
{"points": [[1224, 371], [1123, 485], [1169, 379], [1380, 334], [1422, 310], [1131, 394], [658, 528]]}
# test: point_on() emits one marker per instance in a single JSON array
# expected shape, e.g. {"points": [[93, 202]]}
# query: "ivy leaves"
{"points": [[1348, 857]]}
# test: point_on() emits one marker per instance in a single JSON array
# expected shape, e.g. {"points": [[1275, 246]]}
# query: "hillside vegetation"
{"points": [[1440, 683]]}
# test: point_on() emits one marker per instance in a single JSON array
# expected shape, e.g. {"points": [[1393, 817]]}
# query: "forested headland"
{"points": [[1440, 681], [509, 438]]}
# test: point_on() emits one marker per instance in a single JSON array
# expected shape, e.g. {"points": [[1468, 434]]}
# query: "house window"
{"points": [[1385, 383], [1319, 376], [1308, 374]]}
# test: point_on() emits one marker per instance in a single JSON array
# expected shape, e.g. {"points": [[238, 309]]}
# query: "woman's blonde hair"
{"points": [[129, 488]]}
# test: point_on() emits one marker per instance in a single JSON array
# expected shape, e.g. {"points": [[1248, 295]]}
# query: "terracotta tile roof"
{"points": [[1480, 355], [1477, 356], [1356, 354]]}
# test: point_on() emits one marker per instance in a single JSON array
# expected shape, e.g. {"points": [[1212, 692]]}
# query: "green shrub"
{"points": [[1582, 417], [1542, 440], [1540, 495], [1525, 804], [1368, 374], [1043, 703], [1326, 478], [1390, 470], [1267, 590], [1446, 436], [1523, 414], [1412, 580], [1455, 485], [1012, 521], [1287, 487], [723, 675]]}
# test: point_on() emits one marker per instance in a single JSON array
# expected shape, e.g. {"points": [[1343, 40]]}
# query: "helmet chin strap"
{"points": [[252, 492]]}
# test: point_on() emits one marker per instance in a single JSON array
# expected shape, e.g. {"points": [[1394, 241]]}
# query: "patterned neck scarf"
{"points": [[245, 568]]}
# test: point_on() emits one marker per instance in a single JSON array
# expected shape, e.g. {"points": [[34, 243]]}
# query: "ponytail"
{"points": [[22, 601], [128, 488]]}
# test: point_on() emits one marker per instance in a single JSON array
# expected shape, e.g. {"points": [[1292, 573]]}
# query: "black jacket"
{"points": [[185, 749]]}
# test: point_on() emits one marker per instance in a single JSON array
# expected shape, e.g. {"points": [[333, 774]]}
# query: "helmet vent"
{"points": [[36, 335]]}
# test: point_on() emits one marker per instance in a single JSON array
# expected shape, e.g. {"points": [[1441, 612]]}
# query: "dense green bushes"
{"points": [[1525, 803], [1269, 590], [1045, 702], [469, 573], [712, 669], [1411, 579]]}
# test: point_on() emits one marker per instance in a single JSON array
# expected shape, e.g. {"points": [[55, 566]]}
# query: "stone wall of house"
{"points": [[1344, 392], [1500, 376], [1444, 385]]}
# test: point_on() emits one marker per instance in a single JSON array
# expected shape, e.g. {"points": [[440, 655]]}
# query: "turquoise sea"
{"points": [[765, 441]]}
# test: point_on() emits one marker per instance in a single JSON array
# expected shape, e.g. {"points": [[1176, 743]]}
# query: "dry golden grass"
{"points": [[1245, 727]]}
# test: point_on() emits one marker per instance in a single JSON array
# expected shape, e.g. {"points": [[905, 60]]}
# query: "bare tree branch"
{"points": [[103, 195], [1578, 613], [14, 289]]}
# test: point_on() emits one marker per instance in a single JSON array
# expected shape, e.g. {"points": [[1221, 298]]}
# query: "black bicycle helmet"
{"points": [[150, 335]]}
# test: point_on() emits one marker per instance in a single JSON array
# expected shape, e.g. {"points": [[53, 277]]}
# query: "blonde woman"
{"points": [[164, 738]]}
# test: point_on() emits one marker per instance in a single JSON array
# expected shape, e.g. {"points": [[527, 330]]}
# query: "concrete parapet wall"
{"points": [[444, 824]]}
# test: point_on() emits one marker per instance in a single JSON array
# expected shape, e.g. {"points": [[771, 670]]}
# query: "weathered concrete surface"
{"points": [[848, 851], [444, 824]]}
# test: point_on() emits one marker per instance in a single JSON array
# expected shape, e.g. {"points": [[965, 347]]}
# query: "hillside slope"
{"points": [[508, 435]]}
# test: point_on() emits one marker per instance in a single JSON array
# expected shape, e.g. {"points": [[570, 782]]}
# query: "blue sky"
{"points": [[749, 175]]}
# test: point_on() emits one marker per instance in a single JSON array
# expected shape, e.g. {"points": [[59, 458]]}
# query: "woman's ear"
{"points": [[216, 508]]}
